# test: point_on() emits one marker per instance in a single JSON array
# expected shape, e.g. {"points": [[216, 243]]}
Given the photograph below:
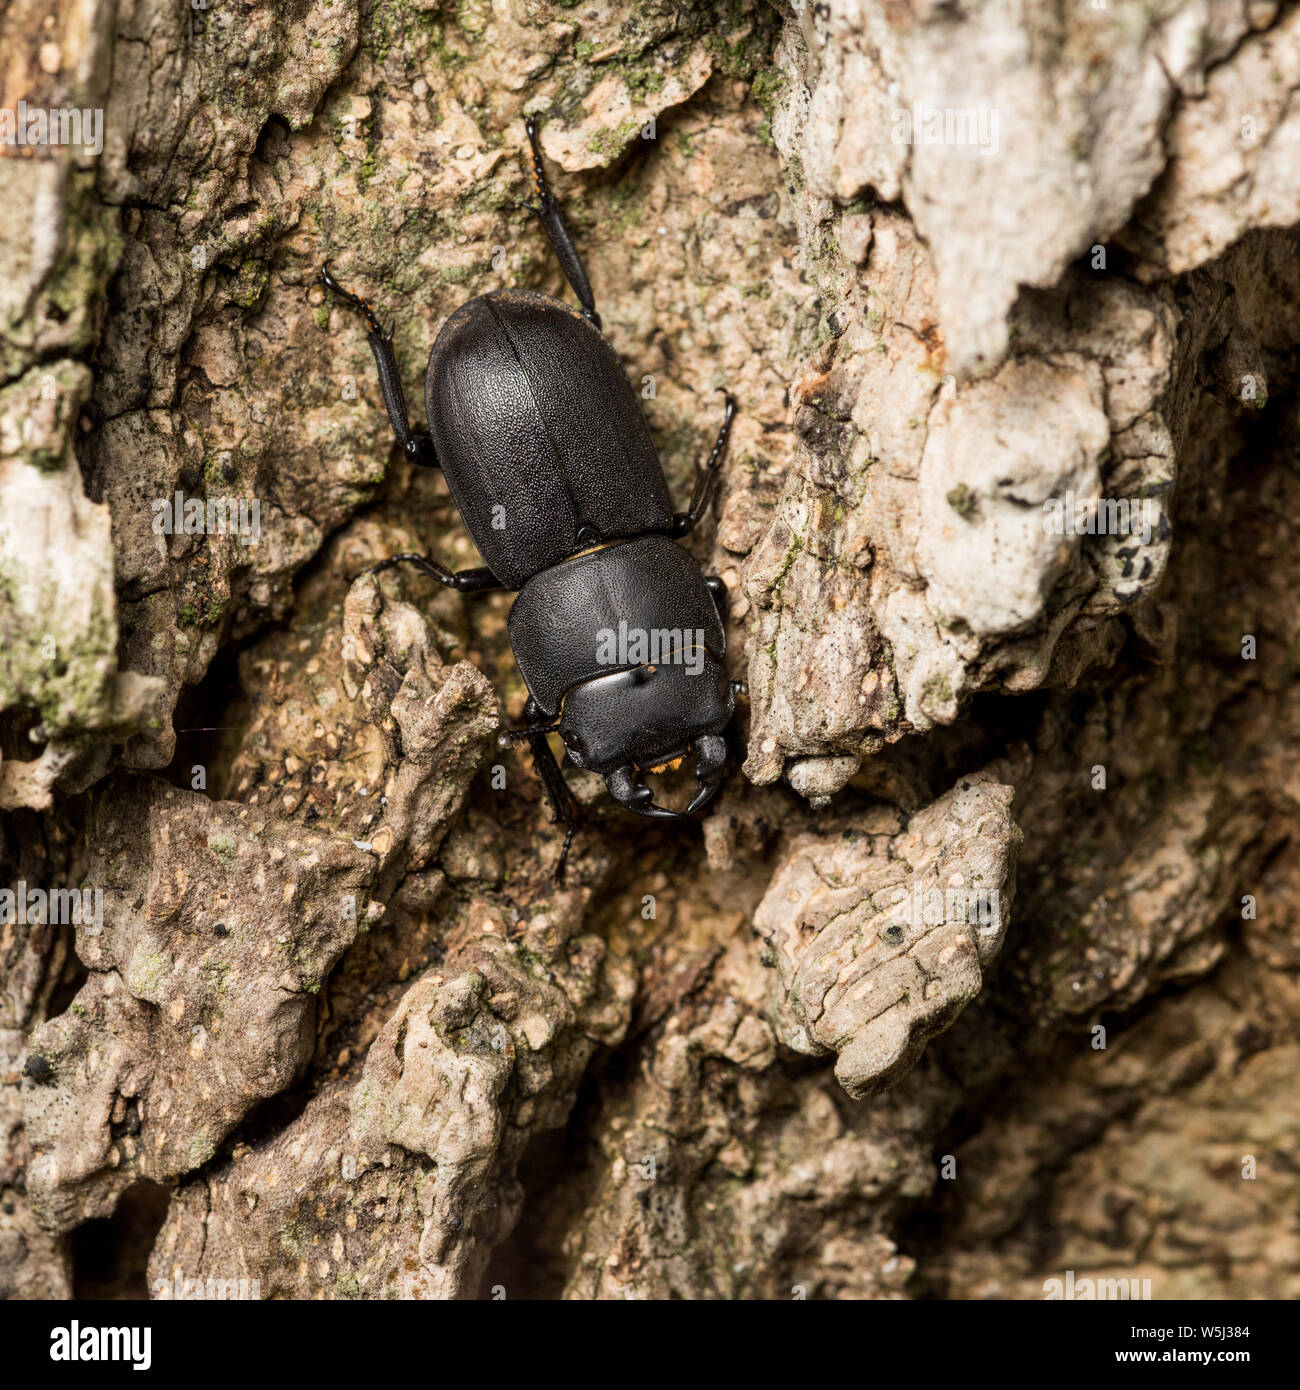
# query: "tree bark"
{"points": [[983, 966]]}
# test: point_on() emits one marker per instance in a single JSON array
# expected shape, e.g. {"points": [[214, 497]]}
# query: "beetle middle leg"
{"points": [[416, 444], [685, 522], [475, 581], [548, 211]]}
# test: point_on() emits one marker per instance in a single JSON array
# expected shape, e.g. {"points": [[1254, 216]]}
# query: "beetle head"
{"points": [[632, 722]]}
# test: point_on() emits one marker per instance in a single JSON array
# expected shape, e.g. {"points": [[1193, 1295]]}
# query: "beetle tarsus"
{"points": [[685, 522], [547, 210], [533, 128], [475, 581], [570, 830], [354, 301], [417, 446]]}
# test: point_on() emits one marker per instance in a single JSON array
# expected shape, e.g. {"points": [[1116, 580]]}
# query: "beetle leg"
{"points": [[685, 522], [563, 806], [417, 446], [476, 581], [548, 211]]}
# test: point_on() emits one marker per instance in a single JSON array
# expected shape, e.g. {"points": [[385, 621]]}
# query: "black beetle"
{"points": [[540, 436]]}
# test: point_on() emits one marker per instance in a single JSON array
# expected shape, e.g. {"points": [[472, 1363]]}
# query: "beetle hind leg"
{"points": [[416, 445], [548, 212]]}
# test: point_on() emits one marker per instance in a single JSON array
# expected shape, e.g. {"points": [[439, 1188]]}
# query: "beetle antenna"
{"points": [[508, 736]]}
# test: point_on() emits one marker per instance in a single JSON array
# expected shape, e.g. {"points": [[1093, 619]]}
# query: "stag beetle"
{"points": [[540, 436]]}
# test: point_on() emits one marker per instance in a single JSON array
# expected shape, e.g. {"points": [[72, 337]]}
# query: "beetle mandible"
{"points": [[532, 418]]}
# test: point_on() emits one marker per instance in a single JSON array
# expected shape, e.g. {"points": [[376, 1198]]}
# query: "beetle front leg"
{"points": [[563, 806], [685, 522], [417, 446], [475, 581]]}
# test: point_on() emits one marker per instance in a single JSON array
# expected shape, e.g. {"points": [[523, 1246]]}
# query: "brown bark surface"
{"points": [[984, 966]]}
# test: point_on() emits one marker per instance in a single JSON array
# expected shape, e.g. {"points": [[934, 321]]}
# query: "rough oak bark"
{"points": [[338, 1031]]}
